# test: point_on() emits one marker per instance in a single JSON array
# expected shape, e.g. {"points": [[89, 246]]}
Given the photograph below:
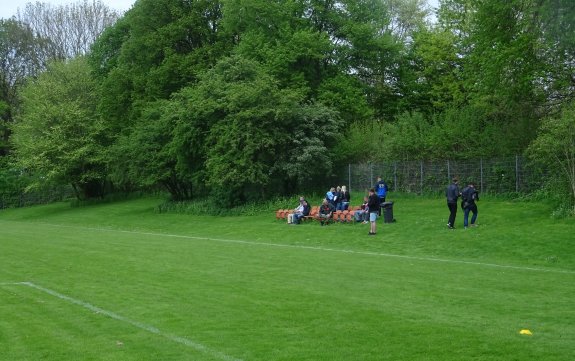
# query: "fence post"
{"points": [[448, 172], [370, 175], [349, 177], [421, 177], [481, 175], [516, 173], [395, 176]]}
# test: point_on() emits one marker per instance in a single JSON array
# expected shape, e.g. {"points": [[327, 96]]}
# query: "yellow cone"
{"points": [[525, 332]]}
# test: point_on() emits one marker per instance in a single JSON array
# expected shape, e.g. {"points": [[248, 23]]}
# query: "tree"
{"points": [[255, 138], [407, 17], [554, 149], [142, 63], [295, 49], [501, 70], [70, 29], [432, 73], [327, 46], [37, 35], [21, 57], [145, 157], [556, 19], [367, 48], [57, 134], [155, 50]]}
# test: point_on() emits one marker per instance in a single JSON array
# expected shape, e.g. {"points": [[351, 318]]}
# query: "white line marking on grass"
{"points": [[184, 341], [365, 253]]}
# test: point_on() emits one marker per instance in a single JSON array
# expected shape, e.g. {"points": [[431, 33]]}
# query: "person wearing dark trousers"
{"points": [[452, 194], [345, 199], [304, 213], [362, 215], [373, 205], [325, 214], [381, 190], [337, 199], [469, 195]]}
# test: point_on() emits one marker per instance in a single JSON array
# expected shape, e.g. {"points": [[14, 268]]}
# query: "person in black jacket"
{"points": [[469, 195], [337, 199], [452, 194], [345, 199], [304, 212], [373, 204], [325, 214]]}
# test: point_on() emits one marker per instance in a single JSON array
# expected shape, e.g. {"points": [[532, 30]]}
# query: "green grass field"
{"points": [[121, 282]]}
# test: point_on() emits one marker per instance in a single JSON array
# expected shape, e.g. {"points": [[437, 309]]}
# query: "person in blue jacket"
{"points": [[331, 196], [469, 196], [381, 190]]}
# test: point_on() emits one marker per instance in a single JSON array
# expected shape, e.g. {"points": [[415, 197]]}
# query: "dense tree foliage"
{"points": [[554, 148], [308, 73], [245, 99], [58, 133], [37, 35], [158, 47], [258, 135]]}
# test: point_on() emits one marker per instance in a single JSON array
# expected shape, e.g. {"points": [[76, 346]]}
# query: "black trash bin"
{"points": [[387, 212]]}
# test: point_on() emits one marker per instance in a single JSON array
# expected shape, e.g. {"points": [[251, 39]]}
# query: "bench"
{"points": [[345, 216], [281, 214]]}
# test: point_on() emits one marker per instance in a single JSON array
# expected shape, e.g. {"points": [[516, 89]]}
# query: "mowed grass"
{"points": [[121, 282]]}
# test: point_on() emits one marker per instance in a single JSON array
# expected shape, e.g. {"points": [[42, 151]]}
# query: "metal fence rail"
{"points": [[504, 175]]}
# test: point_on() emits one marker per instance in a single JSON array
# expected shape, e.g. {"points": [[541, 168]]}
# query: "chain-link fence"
{"points": [[505, 175], [24, 199], [497, 176]]}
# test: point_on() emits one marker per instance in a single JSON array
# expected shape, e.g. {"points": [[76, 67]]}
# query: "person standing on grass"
{"points": [[469, 196], [381, 189], [374, 205], [452, 194]]}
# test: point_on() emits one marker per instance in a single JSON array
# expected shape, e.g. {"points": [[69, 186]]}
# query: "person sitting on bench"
{"points": [[297, 216], [325, 212]]}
